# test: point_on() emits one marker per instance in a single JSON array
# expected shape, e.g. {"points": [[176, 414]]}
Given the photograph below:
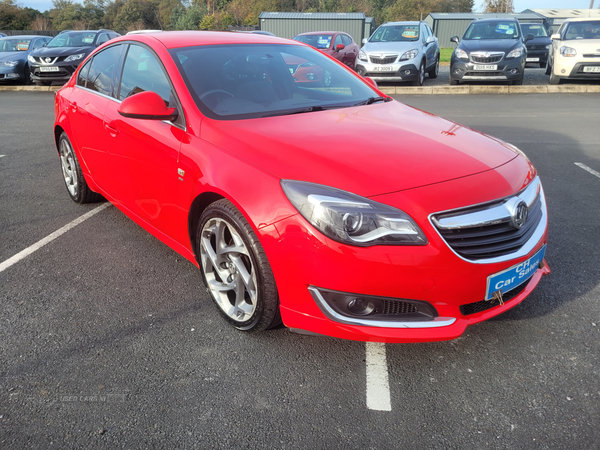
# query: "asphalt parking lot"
{"points": [[107, 339]]}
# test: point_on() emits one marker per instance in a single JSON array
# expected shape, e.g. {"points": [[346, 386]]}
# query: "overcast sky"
{"points": [[520, 5]]}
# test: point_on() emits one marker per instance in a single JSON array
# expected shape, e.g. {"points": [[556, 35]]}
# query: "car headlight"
{"points": [[8, 63], [548, 47], [461, 54], [76, 57], [351, 219], [362, 56], [516, 53], [411, 54], [568, 51], [31, 59]]}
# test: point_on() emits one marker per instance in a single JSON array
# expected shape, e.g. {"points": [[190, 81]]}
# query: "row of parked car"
{"points": [[490, 50]]}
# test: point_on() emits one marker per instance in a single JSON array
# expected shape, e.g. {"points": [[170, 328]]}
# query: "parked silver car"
{"points": [[400, 51]]}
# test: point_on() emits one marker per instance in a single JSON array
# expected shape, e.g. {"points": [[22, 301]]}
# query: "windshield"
{"points": [[73, 39], [583, 30], [315, 40], [538, 30], [396, 33], [14, 45], [259, 80], [492, 30]]}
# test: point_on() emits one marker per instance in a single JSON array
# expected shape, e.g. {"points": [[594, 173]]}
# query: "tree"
{"points": [[499, 6]]}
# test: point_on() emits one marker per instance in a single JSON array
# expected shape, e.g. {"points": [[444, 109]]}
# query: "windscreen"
{"points": [[14, 45], [538, 30], [260, 80], [319, 41], [583, 30], [395, 33], [492, 30], [73, 39]]}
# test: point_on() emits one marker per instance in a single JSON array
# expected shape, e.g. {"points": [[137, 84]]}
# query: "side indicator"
{"points": [[181, 173]]}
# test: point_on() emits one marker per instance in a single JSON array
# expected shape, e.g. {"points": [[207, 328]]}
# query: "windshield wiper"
{"points": [[371, 100], [300, 111]]}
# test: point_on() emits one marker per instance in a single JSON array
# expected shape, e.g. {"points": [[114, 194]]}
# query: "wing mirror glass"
{"points": [[455, 39], [529, 37], [147, 105], [430, 40], [555, 37]]}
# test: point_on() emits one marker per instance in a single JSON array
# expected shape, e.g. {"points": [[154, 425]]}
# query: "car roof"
{"points": [[176, 39], [583, 19], [406, 22], [26, 36], [319, 32]]}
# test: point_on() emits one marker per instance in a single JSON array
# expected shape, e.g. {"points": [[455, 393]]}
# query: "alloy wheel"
{"points": [[69, 167], [228, 268]]}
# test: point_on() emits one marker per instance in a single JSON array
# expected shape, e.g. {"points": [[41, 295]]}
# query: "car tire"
{"points": [[543, 65], [27, 75], [75, 183], [553, 78], [235, 269], [548, 69], [433, 73], [420, 75]]}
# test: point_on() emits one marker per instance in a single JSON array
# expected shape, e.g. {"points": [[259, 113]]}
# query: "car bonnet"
{"points": [[390, 47], [367, 150]]}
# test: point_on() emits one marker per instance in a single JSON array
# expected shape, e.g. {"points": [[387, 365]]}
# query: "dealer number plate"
{"points": [[486, 67], [511, 278], [49, 69], [591, 69], [383, 69], [532, 59]]}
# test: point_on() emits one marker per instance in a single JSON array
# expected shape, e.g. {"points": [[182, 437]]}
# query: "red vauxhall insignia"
{"points": [[333, 209]]}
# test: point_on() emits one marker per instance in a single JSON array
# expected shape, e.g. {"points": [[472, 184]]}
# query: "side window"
{"points": [[429, 32], [102, 70], [102, 39], [346, 40], [39, 43], [424, 34], [338, 40], [82, 75], [142, 72]]}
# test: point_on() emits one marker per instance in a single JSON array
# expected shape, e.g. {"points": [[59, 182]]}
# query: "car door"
{"points": [[351, 50], [339, 55], [88, 101], [145, 152], [429, 49]]}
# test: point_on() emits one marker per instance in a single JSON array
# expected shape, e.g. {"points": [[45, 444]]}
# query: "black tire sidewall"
{"points": [[79, 197], [267, 308]]}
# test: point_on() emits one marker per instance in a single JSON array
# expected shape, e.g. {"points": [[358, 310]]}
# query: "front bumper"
{"points": [[537, 56], [63, 74], [431, 274], [400, 71], [507, 70], [567, 68], [12, 73]]}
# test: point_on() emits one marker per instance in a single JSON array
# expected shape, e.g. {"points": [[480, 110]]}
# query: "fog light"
{"points": [[458, 71], [12, 75], [563, 71], [360, 307], [407, 72], [513, 71]]}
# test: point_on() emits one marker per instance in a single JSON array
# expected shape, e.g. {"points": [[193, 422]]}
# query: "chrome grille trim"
{"points": [[486, 57], [383, 59], [496, 212]]}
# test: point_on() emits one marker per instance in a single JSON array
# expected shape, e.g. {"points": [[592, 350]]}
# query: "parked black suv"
{"points": [[539, 46], [60, 57], [491, 50]]}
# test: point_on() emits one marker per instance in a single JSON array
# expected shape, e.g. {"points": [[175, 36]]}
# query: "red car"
{"points": [[338, 45], [337, 210]]}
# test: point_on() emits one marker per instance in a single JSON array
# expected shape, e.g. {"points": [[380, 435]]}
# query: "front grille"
{"points": [[386, 60], [484, 305], [484, 74], [492, 59], [391, 307], [591, 55], [61, 73]]}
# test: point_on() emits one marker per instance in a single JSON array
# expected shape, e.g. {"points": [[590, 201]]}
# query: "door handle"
{"points": [[112, 130]]}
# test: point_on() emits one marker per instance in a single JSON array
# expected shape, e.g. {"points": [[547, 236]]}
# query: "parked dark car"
{"points": [[61, 56], [539, 46], [490, 50], [13, 56], [338, 45]]}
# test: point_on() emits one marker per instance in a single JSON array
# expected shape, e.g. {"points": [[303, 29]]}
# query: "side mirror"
{"points": [[371, 81], [339, 47], [147, 105], [364, 41], [529, 37], [555, 37], [45, 43], [430, 40], [455, 39]]}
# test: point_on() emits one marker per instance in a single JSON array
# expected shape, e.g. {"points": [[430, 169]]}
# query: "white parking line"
{"points": [[2, 156], [39, 244], [378, 386], [588, 169]]}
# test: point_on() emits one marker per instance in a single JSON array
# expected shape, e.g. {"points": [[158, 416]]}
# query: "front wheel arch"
{"points": [[200, 203]]}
